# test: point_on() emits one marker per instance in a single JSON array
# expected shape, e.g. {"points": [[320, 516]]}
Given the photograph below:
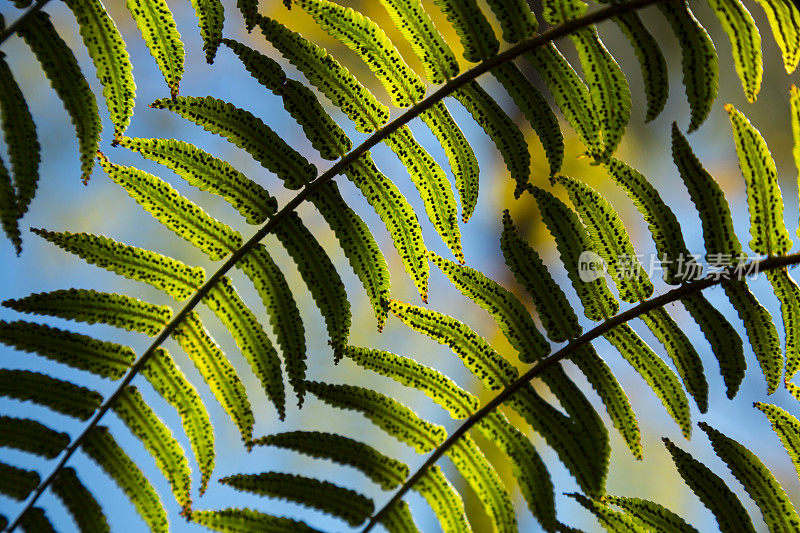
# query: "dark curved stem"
{"points": [[771, 263], [12, 29], [445, 90]]}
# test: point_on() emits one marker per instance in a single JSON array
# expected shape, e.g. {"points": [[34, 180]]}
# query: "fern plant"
{"points": [[537, 413]]}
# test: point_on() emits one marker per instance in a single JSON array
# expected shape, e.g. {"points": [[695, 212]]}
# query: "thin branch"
{"points": [[447, 89], [12, 29], [763, 265]]}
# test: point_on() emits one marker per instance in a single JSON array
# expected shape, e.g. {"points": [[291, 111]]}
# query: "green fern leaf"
{"points": [[459, 153], [794, 104], [346, 504], [17, 483], [398, 519], [516, 19], [505, 134], [712, 491], [247, 132], [787, 427], [763, 192], [236, 520], [249, 10], [19, 133], [784, 19], [358, 244], [388, 414], [700, 62], [444, 500], [477, 355], [536, 109], [106, 359], [173, 277], [514, 320], [104, 450], [96, 307], [406, 371], [788, 293], [9, 212], [775, 506], [483, 479], [679, 348], [107, 50], [61, 68], [167, 379], [368, 40], [477, 36], [433, 187], [572, 240], [251, 339], [283, 313], [140, 419], [613, 521], [655, 372], [651, 60], [264, 70], [326, 74], [160, 33], [610, 240], [555, 312], [570, 94], [428, 44], [206, 172], [319, 275], [31, 436], [383, 470], [80, 503], [761, 331], [60, 396], [210, 16], [35, 521], [397, 215], [217, 372], [745, 41], [613, 396], [650, 515], [725, 341], [529, 470]]}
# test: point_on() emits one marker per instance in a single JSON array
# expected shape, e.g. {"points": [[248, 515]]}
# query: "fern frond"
{"points": [[251, 339], [443, 499], [346, 504], [477, 36], [745, 42], [217, 372], [17, 483], [613, 521], [93, 307], [764, 200], [210, 16], [406, 371], [650, 515], [246, 131], [784, 19], [168, 380], [160, 33], [383, 470], [104, 450], [61, 68], [107, 359], [35, 520], [60, 396], [387, 413], [700, 62], [398, 519], [140, 419], [775, 505], [206, 172], [516, 19], [9, 213], [80, 503], [31, 436], [712, 491], [433, 187], [483, 479], [233, 520], [788, 293], [107, 50], [476, 354], [173, 277], [787, 427], [264, 70]]}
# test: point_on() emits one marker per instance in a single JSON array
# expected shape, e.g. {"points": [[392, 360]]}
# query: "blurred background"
{"points": [[64, 204]]}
